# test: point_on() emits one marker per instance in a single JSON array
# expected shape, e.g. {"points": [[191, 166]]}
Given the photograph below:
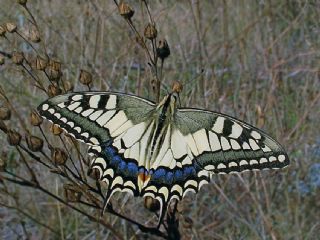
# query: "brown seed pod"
{"points": [[34, 36], [17, 57], [68, 86], [5, 113], [3, 31], [125, 10], [72, 193], [151, 204], [55, 129], [53, 74], [94, 173], [85, 77], [35, 118], [163, 50], [59, 156], [41, 63], [11, 27], [13, 137], [54, 90], [56, 65], [54, 70], [150, 31], [34, 143]]}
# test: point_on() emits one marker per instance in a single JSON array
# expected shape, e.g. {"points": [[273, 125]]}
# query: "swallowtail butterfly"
{"points": [[160, 150]]}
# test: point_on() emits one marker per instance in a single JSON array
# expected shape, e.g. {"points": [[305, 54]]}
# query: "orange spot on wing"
{"points": [[144, 177]]}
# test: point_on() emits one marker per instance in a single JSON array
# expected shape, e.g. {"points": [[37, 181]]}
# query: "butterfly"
{"points": [[160, 150]]}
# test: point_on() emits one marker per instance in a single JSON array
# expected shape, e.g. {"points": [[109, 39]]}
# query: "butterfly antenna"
{"points": [[165, 88], [179, 100], [195, 77]]}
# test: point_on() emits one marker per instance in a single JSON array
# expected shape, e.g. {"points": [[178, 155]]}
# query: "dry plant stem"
{"points": [[40, 86], [45, 137], [27, 41], [72, 162], [264, 217], [82, 161], [304, 116], [18, 209], [100, 220], [34, 22], [12, 108], [34, 156], [32, 173], [152, 58], [27, 183]]}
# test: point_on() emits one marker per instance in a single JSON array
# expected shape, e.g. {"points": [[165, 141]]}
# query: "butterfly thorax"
{"points": [[164, 115], [162, 118]]}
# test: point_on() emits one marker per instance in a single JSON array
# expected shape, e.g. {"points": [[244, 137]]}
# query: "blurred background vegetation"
{"points": [[256, 60]]}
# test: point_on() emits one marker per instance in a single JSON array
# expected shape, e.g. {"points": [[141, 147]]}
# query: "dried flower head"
{"points": [[17, 57], [5, 113], [54, 90], [53, 75], [151, 204], [150, 31], [94, 173], [35, 118], [56, 65], [41, 63], [68, 86], [55, 129], [163, 50], [85, 77], [125, 10], [13, 137], [177, 87], [3, 31], [59, 156], [11, 27], [72, 193], [34, 35], [34, 143]]}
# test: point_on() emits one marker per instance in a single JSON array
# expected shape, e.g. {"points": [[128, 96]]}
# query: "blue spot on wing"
{"points": [[178, 175], [132, 168], [158, 174], [122, 166], [172, 176]]}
